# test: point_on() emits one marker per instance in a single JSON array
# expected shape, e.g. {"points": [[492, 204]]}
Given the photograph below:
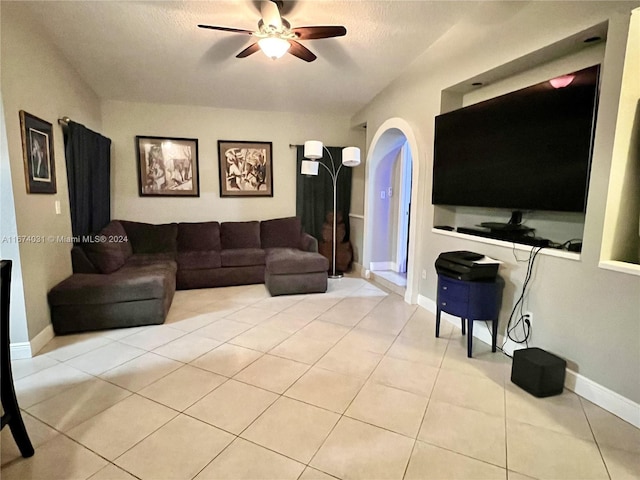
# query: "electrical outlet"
{"points": [[424, 274], [529, 316], [383, 194]]}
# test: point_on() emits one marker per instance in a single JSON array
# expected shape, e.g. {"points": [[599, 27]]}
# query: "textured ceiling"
{"points": [[152, 51]]}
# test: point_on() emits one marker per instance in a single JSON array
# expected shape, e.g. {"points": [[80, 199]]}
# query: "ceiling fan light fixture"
{"points": [[562, 81], [274, 47]]}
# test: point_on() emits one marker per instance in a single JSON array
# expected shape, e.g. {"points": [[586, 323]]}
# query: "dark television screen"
{"points": [[526, 150]]}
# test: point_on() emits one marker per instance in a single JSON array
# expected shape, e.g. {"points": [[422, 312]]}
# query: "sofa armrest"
{"points": [[309, 243]]}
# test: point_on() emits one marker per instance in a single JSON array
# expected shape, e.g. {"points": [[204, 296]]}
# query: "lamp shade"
{"points": [[309, 167], [351, 156], [313, 149], [274, 47]]}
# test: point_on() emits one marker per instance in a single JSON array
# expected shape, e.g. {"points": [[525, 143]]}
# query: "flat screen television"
{"points": [[526, 150]]}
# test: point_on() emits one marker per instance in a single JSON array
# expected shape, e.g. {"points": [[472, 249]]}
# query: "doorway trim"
{"points": [[388, 133], [404, 209]]}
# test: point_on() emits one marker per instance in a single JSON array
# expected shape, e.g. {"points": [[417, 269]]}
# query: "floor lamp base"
{"points": [[336, 275]]}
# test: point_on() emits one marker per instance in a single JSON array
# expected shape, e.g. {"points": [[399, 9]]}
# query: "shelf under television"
{"points": [[552, 252]]}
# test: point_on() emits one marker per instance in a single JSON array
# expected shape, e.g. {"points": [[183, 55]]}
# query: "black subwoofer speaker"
{"points": [[538, 372]]}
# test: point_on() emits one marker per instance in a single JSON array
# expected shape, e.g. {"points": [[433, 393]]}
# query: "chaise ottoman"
{"points": [[290, 271], [130, 297]]}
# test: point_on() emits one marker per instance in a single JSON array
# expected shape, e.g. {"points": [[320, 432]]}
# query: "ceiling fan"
{"points": [[276, 37]]}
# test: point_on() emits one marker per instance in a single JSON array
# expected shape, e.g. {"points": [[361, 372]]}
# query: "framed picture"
{"points": [[246, 169], [37, 152], [168, 167]]}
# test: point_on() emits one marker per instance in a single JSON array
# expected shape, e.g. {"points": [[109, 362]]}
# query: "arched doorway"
{"points": [[391, 206]]}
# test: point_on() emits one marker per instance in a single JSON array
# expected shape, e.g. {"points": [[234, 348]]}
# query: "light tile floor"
{"points": [[348, 384]]}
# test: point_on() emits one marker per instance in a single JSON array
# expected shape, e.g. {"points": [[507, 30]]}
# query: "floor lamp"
{"points": [[350, 158]]}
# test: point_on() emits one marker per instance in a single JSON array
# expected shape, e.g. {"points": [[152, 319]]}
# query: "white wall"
{"points": [[9, 248], [383, 224], [621, 238], [122, 121], [36, 77], [583, 313]]}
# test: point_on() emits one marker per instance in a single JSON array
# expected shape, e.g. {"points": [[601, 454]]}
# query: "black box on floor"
{"points": [[538, 372]]}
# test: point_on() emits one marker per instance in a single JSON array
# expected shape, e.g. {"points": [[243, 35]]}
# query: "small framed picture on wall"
{"points": [[168, 167], [37, 153], [246, 169]]}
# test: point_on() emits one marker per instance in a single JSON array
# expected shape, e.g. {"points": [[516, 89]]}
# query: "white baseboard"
{"points": [[22, 350], [426, 303], [380, 266], [41, 339], [605, 398]]}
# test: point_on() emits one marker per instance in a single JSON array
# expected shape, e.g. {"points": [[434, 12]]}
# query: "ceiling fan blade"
{"points": [[312, 33], [251, 49], [227, 29], [271, 14], [300, 51]]}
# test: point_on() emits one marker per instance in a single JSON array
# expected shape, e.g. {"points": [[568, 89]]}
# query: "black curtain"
{"points": [[88, 158], [314, 194]]}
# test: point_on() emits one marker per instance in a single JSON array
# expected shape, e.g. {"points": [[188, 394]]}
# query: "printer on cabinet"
{"points": [[467, 266]]}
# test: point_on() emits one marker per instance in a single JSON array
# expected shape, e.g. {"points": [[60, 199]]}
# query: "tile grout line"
{"points": [[307, 465], [593, 434], [281, 395], [178, 412], [424, 415], [342, 415]]}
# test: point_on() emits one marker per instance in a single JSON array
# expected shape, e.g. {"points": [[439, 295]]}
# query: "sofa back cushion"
{"points": [[147, 238], [199, 237], [240, 235], [281, 233], [110, 249]]}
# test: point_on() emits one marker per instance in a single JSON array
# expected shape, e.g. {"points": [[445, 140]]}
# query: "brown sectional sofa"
{"points": [[128, 275]]}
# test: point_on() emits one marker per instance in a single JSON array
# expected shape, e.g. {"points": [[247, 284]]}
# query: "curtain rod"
{"points": [[64, 121]]}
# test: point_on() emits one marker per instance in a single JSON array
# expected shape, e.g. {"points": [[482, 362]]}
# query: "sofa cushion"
{"points": [[281, 233], [199, 260], [290, 260], [240, 235], [201, 236], [242, 257], [148, 238], [110, 248]]}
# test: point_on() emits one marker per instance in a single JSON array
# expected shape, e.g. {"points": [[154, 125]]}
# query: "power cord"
{"points": [[566, 244], [521, 325]]}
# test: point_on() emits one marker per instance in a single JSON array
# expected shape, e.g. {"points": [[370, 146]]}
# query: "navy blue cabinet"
{"points": [[470, 301]]}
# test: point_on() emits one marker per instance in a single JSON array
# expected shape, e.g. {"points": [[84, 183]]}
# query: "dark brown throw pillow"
{"points": [[109, 249], [148, 238]]}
